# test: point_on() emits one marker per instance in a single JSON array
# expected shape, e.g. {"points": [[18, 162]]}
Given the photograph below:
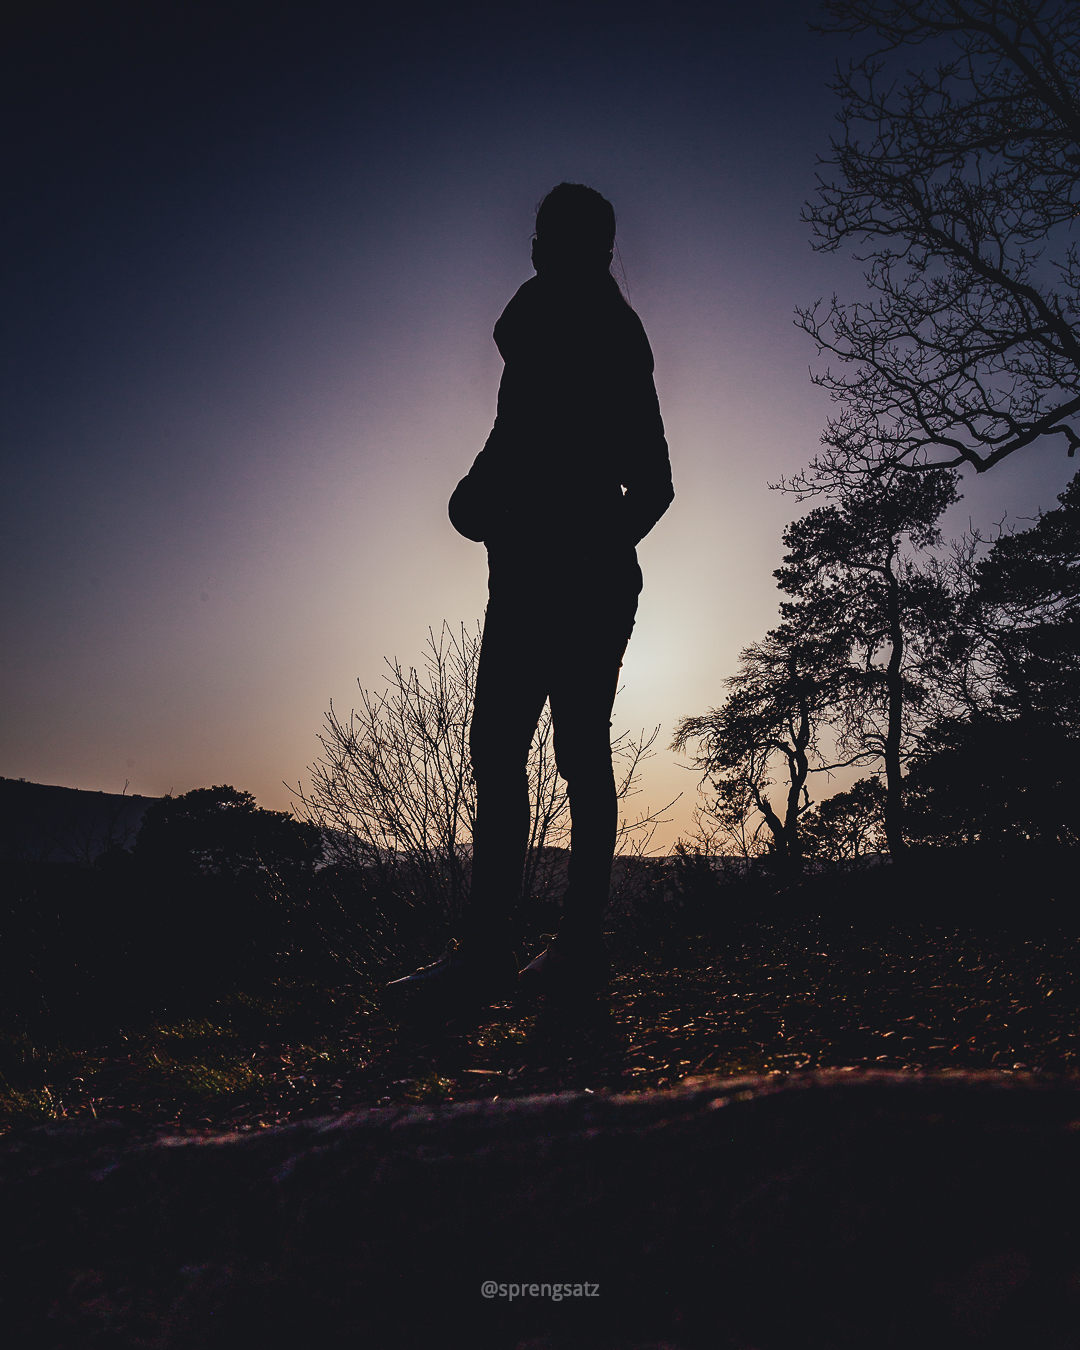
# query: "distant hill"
{"points": [[39, 823]]}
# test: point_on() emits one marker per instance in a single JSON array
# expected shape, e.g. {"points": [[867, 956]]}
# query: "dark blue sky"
{"points": [[252, 267]]}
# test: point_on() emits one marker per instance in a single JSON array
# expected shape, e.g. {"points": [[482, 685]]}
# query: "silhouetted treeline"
{"points": [[214, 895], [206, 897], [952, 672], [218, 896]]}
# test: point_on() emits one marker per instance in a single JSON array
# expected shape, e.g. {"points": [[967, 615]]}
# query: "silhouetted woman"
{"points": [[574, 474]]}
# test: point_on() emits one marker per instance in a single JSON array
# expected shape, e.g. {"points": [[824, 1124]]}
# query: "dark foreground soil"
{"points": [[823, 1210]]}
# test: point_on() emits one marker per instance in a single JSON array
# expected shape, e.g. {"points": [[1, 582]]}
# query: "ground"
{"points": [[768, 998]]}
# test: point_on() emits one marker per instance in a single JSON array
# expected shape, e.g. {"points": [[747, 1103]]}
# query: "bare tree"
{"points": [[393, 789], [959, 186]]}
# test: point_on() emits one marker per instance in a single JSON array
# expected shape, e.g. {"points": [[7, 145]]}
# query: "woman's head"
{"points": [[575, 230]]}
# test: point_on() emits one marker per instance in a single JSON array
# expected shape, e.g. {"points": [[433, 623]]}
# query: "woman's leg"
{"points": [[510, 695], [582, 696]]}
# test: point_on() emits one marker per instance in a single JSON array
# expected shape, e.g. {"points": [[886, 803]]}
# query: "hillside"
{"points": [[42, 823]]}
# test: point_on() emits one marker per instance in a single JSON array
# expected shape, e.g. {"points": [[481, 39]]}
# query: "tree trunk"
{"points": [[894, 684], [798, 769], [775, 824]]}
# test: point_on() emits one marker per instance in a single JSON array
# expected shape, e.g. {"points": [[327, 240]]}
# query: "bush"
{"points": [[394, 798], [996, 782]]}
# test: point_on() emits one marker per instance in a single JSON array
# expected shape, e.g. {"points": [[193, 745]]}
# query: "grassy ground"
{"points": [[768, 998]]}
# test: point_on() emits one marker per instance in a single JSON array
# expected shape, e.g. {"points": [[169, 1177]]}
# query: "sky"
{"points": [[251, 268]]}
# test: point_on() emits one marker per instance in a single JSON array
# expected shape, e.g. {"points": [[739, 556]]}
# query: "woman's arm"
{"points": [[476, 505], [646, 466]]}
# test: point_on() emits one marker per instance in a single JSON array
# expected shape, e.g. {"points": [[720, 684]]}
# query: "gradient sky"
{"points": [[252, 268]]}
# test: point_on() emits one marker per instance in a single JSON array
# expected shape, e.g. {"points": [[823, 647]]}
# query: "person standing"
{"points": [[573, 475]]}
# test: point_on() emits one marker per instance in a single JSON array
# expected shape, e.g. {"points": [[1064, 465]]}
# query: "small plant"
{"points": [[427, 1090], [196, 1058], [31, 1106]]}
